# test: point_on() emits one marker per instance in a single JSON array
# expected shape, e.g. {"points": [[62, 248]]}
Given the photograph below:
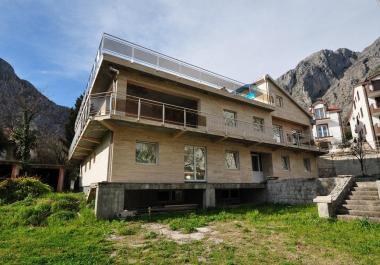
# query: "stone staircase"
{"points": [[362, 202]]}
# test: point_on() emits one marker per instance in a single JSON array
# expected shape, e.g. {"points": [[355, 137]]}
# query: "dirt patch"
{"points": [[207, 233]]}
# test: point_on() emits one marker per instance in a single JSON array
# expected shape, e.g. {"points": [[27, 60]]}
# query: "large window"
{"points": [[195, 163], [307, 164], [319, 113], [230, 118], [258, 124], [285, 162], [322, 130], [277, 133], [146, 153], [232, 160]]}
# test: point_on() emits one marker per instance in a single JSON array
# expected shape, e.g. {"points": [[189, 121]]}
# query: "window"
{"points": [[285, 162], [361, 112], [307, 164], [319, 113], [354, 105], [146, 153], [195, 163], [277, 133], [322, 130], [365, 130], [271, 99], [229, 118], [279, 101], [357, 93], [232, 160], [258, 124]]}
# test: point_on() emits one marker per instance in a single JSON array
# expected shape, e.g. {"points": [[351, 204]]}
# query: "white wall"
{"points": [[361, 102], [333, 123], [95, 167]]}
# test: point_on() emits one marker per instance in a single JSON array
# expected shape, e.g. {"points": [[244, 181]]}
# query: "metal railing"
{"points": [[140, 55], [96, 105], [169, 115]]}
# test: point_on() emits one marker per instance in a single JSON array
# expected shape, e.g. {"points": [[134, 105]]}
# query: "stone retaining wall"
{"points": [[297, 191]]}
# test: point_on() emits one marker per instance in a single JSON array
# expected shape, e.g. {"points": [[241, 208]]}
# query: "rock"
{"points": [[331, 75]]}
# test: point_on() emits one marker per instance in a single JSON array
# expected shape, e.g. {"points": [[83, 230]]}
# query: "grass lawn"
{"points": [[270, 234]]}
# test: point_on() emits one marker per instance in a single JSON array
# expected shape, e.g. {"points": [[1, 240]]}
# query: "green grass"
{"points": [[61, 229]]}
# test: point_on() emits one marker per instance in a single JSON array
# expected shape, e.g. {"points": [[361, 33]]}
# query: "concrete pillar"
{"points": [[109, 200], [15, 171], [208, 198], [61, 178], [120, 91]]}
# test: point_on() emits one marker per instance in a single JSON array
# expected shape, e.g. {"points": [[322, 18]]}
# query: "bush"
{"points": [[37, 215], [61, 216], [12, 190], [67, 203]]}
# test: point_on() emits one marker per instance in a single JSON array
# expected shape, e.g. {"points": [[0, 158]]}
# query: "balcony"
{"points": [[148, 112], [376, 128], [375, 110], [373, 91]]}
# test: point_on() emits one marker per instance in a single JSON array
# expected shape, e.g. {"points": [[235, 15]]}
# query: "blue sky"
{"points": [[53, 43]]}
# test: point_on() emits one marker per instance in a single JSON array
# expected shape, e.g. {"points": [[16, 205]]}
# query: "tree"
{"points": [[358, 145], [70, 125], [23, 137]]}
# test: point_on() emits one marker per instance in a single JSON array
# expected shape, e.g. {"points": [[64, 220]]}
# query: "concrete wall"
{"points": [[95, 167], [348, 165], [170, 166], [297, 191]]}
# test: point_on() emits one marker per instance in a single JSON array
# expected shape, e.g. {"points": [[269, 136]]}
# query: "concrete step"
{"points": [[366, 184], [359, 212], [363, 197], [362, 202], [359, 207], [365, 193], [364, 189], [355, 217]]}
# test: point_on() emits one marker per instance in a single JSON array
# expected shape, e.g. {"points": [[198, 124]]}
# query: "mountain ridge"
{"points": [[330, 75]]}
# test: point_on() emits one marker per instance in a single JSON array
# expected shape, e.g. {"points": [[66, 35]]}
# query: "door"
{"points": [[257, 168]]}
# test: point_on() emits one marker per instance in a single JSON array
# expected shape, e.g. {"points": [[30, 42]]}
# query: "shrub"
{"points": [[150, 235], [12, 190], [37, 215], [61, 216], [66, 202]]}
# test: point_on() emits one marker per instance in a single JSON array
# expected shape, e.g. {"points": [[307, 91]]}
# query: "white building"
{"points": [[327, 125], [365, 110]]}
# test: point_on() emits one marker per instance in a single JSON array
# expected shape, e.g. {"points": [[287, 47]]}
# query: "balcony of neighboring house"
{"points": [[376, 128], [373, 89]]}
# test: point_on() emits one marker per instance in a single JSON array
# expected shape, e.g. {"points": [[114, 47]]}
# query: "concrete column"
{"points": [[208, 198], [15, 171], [61, 178], [120, 95], [109, 200]]}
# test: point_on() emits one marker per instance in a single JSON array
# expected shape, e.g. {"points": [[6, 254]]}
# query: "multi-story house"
{"points": [[365, 111], [327, 125], [153, 131]]}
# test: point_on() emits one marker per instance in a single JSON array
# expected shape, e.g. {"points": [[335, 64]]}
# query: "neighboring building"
{"points": [[365, 110], [153, 130], [327, 125]]}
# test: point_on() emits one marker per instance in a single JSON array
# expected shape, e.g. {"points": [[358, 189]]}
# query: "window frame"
{"points": [[156, 153], [319, 110], [194, 170], [255, 124], [237, 161], [287, 159], [234, 120], [279, 101], [307, 166], [327, 130]]}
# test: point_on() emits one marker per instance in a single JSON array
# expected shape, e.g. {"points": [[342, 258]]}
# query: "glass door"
{"points": [[257, 168]]}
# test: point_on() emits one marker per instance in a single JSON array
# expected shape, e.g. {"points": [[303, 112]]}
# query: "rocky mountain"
{"points": [[331, 75], [14, 91]]}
